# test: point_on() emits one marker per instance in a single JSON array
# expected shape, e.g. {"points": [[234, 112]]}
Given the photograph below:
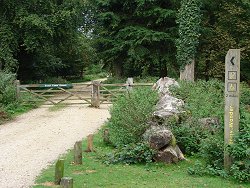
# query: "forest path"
{"points": [[34, 140]]}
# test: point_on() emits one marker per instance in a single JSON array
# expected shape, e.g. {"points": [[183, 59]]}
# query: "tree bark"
{"points": [[188, 72]]}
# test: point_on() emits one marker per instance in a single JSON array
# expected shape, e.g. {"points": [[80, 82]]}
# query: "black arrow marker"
{"points": [[232, 60]]}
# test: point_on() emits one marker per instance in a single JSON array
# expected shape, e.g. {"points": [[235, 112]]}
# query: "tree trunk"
{"points": [[117, 69], [188, 72]]}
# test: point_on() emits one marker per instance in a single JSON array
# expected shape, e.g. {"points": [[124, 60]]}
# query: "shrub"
{"points": [[240, 150], [132, 154], [212, 150], [129, 116], [189, 135], [245, 94], [202, 99], [7, 89]]}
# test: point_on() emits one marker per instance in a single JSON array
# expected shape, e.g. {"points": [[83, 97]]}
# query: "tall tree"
{"points": [[189, 18], [42, 37], [136, 37], [225, 25]]}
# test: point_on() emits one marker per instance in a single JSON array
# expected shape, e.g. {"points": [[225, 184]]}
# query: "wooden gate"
{"points": [[53, 94], [108, 93], [94, 93]]}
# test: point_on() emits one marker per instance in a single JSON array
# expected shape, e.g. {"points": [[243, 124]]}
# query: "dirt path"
{"points": [[35, 139]]}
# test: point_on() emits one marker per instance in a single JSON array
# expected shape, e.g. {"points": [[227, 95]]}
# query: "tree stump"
{"points": [[66, 182]]}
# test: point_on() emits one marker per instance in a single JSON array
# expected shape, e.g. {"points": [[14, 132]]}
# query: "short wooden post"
{"points": [[90, 143], [106, 136], [78, 153], [66, 182], [129, 83], [17, 84], [59, 170], [95, 95], [232, 87]]}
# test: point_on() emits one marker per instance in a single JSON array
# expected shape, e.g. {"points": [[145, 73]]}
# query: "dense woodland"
{"points": [[52, 38]]}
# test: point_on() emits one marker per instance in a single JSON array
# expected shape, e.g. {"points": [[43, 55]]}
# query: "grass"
{"points": [[94, 173]]}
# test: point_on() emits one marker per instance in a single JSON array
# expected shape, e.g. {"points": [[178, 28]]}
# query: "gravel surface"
{"points": [[34, 140]]}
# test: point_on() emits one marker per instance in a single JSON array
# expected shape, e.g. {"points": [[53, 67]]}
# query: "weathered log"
{"points": [[78, 153], [66, 182], [59, 170]]}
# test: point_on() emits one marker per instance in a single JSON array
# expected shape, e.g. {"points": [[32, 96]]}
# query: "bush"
{"points": [[189, 135], [202, 99], [245, 94], [132, 154], [212, 150], [240, 150], [129, 116], [206, 99], [7, 89]]}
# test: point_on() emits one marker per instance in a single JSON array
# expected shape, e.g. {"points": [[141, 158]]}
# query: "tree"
{"points": [[136, 37], [189, 18], [225, 25], [42, 38]]}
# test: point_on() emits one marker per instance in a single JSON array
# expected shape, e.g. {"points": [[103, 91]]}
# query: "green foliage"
{"points": [[240, 150], [131, 154], [225, 25], [129, 116], [135, 37], [198, 169], [189, 135], [188, 18], [202, 99], [245, 94], [43, 38], [205, 99], [123, 175], [7, 89], [212, 150]]}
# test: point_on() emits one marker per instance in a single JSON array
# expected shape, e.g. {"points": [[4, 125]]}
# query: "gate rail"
{"points": [[94, 93]]}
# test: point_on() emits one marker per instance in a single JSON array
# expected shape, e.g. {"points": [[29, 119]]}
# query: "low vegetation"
{"points": [[95, 173], [9, 105], [206, 99], [126, 152]]}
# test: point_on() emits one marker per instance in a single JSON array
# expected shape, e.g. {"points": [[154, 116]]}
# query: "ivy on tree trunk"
{"points": [[189, 19]]}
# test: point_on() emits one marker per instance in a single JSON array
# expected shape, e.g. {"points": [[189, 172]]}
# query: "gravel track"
{"points": [[34, 140]]}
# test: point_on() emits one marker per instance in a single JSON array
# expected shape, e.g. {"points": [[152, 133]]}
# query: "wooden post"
{"points": [[78, 153], [17, 84], [90, 143], [188, 72], [130, 83], [95, 95], [66, 182], [232, 87], [59, 170]]}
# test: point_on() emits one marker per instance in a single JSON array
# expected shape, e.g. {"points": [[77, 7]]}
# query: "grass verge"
{"points": [[94, 173]]}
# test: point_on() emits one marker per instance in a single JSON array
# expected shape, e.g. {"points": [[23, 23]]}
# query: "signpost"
{"points": [[232, 87]]}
